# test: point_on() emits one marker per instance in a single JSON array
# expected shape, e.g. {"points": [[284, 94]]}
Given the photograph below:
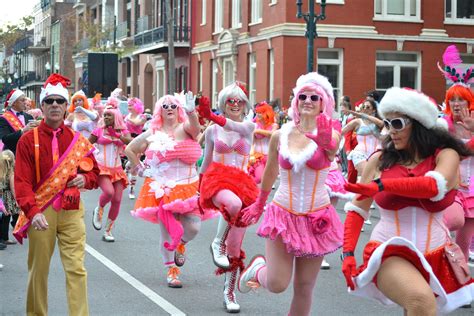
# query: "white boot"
{"points": [[230, 302], [97, 217], [131, 193], [248, 278], [108, 231], [218, 254]]}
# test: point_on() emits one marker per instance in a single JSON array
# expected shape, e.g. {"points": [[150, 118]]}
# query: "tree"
{"points": [[11, 33]]}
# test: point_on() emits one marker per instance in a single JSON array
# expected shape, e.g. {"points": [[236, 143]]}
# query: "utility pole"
{"points": [[170, 33]]}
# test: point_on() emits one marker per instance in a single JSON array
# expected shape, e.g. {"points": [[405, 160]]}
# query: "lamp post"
{"points": [[311, 19]]}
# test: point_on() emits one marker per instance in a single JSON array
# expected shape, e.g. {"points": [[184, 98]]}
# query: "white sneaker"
{"points": [[248, 279], [1, 267], [368, 222], [97, 217], [325, 265], [108, 231], [471, 255], [131, 194]]}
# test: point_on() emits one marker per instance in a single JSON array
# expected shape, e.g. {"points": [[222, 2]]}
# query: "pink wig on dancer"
{"points": [[157, 121], [111, 107], [137, 105], [323, 88]]}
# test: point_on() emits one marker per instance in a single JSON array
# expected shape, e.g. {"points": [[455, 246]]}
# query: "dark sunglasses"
{"points": [[58, 101], [314, 97], [397, 124], [172, 106], [234, 101]]}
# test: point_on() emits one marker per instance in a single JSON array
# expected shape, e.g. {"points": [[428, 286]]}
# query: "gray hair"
{"points": [[233, 91]]}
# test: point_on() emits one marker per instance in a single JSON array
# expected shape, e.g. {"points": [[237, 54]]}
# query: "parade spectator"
{"points": [[110, 138], [225, 184], [169, 194], [300, 224], [81, 118], [10, 207], [14, 121], [55, 163], [410, 259]]}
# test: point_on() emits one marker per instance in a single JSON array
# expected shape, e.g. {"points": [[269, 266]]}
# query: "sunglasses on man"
{"points": [[50, 101]]}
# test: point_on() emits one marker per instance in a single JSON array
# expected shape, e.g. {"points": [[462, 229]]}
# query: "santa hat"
{"points": [[412, 103], [13, 96], [55, 85]]}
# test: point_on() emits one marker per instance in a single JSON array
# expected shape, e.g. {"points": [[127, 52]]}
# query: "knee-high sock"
{"points": [[168, 256]]}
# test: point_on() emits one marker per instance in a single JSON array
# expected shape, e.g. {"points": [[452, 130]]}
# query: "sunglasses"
{"points": [[397, 124], [172, 106], [234, 101], [58, 101], [314, 97]]}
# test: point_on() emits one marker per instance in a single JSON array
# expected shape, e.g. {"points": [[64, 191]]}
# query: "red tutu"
{"points": [[220, 177]]}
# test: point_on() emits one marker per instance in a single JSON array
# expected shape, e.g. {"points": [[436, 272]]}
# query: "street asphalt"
{"points": [[127, 277]]}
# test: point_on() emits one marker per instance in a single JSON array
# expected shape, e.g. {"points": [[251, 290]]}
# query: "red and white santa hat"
{"points": [[412, 103], [13, 96], [55, 85]]}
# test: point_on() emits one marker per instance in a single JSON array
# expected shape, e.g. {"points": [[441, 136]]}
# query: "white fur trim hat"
{"points": [[412, 103], [13, 96], [55, 85]]}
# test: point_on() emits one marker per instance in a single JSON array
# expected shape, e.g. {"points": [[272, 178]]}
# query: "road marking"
{"points": [[145, 290]]}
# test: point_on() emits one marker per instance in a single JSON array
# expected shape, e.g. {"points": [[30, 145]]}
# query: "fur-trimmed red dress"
{"points": [[408, 230]]}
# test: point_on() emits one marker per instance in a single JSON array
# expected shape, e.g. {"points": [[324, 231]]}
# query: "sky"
{"points": [[14, 10]]}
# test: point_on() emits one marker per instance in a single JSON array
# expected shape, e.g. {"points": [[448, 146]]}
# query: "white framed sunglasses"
{"points": [[398, 123]]}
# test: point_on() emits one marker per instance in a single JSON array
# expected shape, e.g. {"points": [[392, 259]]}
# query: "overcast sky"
{"points": [[14, 10]]}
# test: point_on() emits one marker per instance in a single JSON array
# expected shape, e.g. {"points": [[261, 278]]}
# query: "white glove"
{"points": [[189, 105]]}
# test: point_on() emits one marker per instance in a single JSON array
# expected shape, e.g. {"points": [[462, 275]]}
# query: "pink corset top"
{"points": [[240, 146], [188, 151]]}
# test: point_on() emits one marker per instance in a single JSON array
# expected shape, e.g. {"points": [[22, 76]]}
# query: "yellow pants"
{"points": [[69, 228]]}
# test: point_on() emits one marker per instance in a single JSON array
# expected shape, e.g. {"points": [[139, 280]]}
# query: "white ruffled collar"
{"points": [[297, 159]]}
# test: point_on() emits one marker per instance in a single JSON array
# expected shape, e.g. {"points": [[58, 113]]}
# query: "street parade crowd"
{"points": [[402, 155]]}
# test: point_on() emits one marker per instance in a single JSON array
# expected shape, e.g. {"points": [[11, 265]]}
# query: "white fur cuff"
{"points": [[350, 207], [441, 183]]}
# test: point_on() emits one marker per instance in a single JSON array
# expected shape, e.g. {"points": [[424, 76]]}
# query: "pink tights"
{"points": [[232, 203], [111, 192], [276, 275], [464, 235]]}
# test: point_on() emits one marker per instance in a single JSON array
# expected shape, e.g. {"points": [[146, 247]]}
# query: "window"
{"points": [[236, 14], [214, 72], [273, 2], [252, 78], [271, 74], [256, 11], [397, 10], [218, 16], [397, 70], [203, 12], [459, 11], [228, 72], [330, 65]]}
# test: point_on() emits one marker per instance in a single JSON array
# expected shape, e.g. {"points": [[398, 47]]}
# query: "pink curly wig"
{"points": [[137, 105], [318, 84], [119, 123], [157, 120]]}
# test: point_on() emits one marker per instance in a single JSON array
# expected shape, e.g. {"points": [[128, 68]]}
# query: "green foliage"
{"points": [[10, 33]]}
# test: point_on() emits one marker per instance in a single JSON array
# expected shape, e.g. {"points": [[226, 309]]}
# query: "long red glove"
{"points": [[412, 187], [252, 213], [204, 110], [352, 227]]}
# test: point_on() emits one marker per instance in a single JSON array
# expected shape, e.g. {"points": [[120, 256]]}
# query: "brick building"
{"points": [[361, 45]]}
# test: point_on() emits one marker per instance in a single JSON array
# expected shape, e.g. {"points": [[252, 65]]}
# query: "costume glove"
{"points": [[352, 227], [189, 105], [205, 111], [252, 213], [324, 137]]}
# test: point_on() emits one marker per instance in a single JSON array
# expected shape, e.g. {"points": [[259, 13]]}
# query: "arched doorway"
{"points": [[148, 87]]}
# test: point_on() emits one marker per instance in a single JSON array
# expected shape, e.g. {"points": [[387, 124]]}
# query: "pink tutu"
{"points": [[335, 185], [313, 235]]}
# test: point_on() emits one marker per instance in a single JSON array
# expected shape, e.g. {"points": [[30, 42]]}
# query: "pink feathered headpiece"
{"points": [[320, 85], [157, 121], [451, 71], [137, 105]]}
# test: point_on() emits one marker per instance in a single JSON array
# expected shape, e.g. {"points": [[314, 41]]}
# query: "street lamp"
{"points": [[311, 19], [47, 66], [56, 67]]}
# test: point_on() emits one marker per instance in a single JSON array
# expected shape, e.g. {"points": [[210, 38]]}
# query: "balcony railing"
{"points": [[160, 34], [23, 43], [142, 24]]}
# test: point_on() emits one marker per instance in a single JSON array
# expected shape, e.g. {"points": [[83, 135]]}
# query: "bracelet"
{"points": [[379, 184], [346, 254]]}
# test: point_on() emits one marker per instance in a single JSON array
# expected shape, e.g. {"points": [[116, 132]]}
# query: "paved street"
{"points": [[127, 277]]}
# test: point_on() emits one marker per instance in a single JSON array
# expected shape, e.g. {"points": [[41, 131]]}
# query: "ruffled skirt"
{"points": [[335, 185], [434, 267], [182, 199], [220, 177], [313, 235], [115, 174]]}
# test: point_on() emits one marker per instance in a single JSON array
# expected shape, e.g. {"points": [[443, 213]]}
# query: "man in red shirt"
{"points": [[47, 191]]}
